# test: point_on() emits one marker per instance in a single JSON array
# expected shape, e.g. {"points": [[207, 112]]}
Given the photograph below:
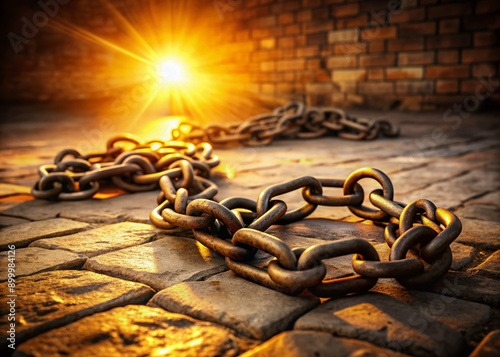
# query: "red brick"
{"points": [[417, 29], [406, 44], [267, 66], [377, 88], [288, 52], [286, 42], [456, 9], [304, 15], [313, 63], [348, 75], [301, 41], [266, 21], [242, 35], [292, 5], [449, 26], [414, 87], [341, 62], [482, 22], [349, 22], [320, 14], [409, 16], [374, 60], [260, 33], [377, 46], [481, 55], [318, 26], [471, 86], [484, 69], [284, 19], [447, 86], [448, 56], [268, 43], [404, 72], [350, 48], [347, 35], [484, 38], [345, 10], [310, 51], [322, 75], [409, 58], [316, 38], [327, 2], [487, 6], [285, 88], [373, 5], [447, 72], [267, 88], [290, 65], [375, 33], [292, 29], [311, 3], [375, 73], [449, 41]]}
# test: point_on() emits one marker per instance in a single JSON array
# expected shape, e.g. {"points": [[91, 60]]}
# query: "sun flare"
{"points": [[171, 71]]}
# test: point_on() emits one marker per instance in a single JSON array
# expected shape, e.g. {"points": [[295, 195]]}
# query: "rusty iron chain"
{"points": [[419, 234], [294, 120]]}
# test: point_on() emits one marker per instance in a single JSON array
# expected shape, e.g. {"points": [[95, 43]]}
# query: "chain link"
{"points": [[292, 121], [419, 234]]}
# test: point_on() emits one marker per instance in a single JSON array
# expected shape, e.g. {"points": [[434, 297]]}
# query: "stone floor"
{"points": [[96, 278]]}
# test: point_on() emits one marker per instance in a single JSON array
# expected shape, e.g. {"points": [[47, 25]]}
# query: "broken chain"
{"points": [[292, 121], [419, 234]]}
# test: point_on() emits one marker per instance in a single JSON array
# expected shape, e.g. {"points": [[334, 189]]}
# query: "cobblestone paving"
{"points": [[96, 278]]}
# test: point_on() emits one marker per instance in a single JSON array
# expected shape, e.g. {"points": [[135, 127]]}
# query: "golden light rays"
{"points": [[167, 58]]}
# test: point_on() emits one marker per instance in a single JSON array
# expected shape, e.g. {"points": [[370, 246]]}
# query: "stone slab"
{"points": [[468, 287], [22, 235], [53, 299], [137, 331], [30, 261], [316, 344], [7, 189], [462, 255], [490, 268], [253, 310], [6, 221], [134, 207], [454, 192], [481, 212], [489, 346], [385, 321], [460, 315], [160, 264], [480, 234], [102, 240]]}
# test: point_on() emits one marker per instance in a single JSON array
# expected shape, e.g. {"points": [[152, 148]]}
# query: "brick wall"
{"points": [[409, 54]]}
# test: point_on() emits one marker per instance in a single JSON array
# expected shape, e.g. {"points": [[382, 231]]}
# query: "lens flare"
{"points": [[171, 71]]}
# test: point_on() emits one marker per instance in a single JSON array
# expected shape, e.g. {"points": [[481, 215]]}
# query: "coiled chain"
{"points": [[418, 234]]}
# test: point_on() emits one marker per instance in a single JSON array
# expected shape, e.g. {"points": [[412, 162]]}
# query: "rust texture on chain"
{"points": [[419, 234], [293, 121]]}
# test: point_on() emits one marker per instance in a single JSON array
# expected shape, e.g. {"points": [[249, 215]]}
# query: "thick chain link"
{"points": [[418, 234], [293, 121]]}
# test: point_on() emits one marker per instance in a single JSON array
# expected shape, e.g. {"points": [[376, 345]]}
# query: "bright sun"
{"points": [[171, 71]]}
